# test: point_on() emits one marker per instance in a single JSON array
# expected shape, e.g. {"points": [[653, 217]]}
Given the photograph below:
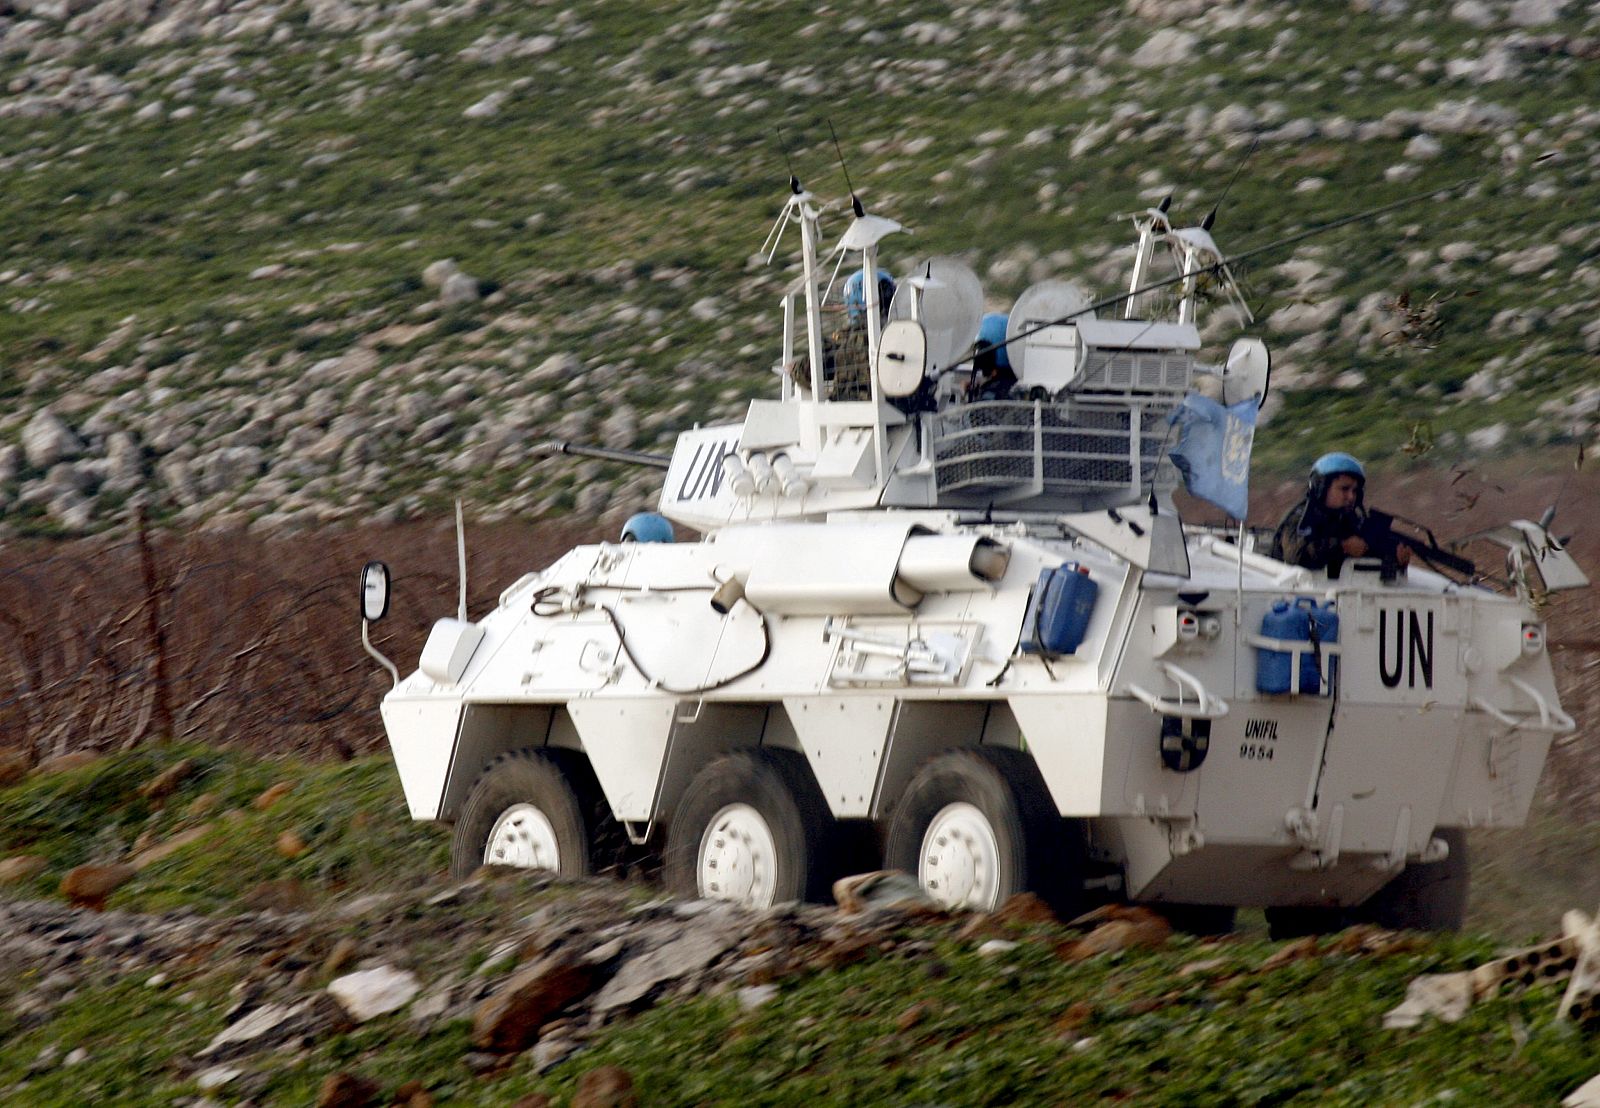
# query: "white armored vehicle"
{"points": [[961, 611]]}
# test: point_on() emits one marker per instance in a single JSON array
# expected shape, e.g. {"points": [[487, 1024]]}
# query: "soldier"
{"points": [[1324, 529]]}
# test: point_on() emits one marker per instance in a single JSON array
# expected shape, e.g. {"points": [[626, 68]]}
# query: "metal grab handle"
{"points": [[1551, 718], [1296, 647], [1208, 706]]}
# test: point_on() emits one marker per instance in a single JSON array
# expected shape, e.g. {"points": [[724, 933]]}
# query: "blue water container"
{"points": [[1059, 610], [1324, 627], [1275, 668]]}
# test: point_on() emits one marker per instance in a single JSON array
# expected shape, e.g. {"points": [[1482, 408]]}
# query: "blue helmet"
{"points": [[1331, 465], [647, 527], [992, 332], [855, 297]]}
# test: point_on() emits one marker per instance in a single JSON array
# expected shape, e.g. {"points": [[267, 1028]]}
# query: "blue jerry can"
{"points": [[1059, 610], [1323, 627], [1274, 668]]}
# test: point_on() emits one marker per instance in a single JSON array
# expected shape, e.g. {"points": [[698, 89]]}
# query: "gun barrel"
{"points": [[605, 453]]}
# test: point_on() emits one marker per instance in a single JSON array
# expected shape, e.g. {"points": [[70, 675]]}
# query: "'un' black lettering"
{"points": [[1391, 677], [692, 474], [1419, 650]]}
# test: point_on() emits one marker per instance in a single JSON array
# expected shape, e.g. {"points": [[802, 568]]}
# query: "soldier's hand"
{"points": [[1402, 555], [1354, 546]]}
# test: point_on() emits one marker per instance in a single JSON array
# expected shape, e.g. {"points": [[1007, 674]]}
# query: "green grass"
{"points": [[1020, 1027], [350, 815]]}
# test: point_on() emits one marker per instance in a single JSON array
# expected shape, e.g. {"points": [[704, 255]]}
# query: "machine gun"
{"points": [[1377, 531]]}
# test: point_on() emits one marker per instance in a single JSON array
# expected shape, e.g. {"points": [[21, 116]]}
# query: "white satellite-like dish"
{"points": [[1247, 372], [947, 298], [902, 357], [1047, 358]]}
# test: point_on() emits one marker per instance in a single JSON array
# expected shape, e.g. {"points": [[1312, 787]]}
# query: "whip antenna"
{"points": [[855, 201], [1211, 216]]}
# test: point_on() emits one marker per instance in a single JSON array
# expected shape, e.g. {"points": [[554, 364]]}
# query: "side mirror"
{"points": [[902, 357], [374, 591]]}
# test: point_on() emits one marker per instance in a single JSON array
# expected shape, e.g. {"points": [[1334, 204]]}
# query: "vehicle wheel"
{"points": [[523, 811], [1298, 922], [1430, 897], [1199, 919], [750, 829], [976, 827]]}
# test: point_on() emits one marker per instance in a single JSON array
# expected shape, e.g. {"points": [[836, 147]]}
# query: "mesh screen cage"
{"points": [[1062, 451]]}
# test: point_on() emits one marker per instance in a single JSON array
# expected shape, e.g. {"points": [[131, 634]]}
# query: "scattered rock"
{"points": [[375, 992], [285, 894], [166, 782], [435, 274], [217, 1076], [342, 954], [1445, 995], [532, 1100], [688, 953], [459, 288], [346, 1090], [272, 795], [885, 888], [163, 850], [290, 844], [605, 1087], [510, 1019], [1293, 951], [21, 867], [47, 440], [261, 1027], [87, 886], [203, 805], [1125, 928]]}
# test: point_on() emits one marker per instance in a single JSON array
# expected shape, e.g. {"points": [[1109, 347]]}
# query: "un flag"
{"points": [[1213, 450]]}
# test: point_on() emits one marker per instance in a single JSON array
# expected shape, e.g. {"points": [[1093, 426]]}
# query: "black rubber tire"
{"points": [[1425, 898], [1038, 851], [779, 786], [542, 778], [1199, 919], [1298, 922], [1430, 897]]}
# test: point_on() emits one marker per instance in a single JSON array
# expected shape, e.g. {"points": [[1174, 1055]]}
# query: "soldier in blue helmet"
{"points": [[647, 527], [855, 297], [1325, 528], [992, 377]]}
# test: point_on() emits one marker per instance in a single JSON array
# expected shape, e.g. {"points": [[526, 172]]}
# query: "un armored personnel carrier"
{"points": [[959, 611]]}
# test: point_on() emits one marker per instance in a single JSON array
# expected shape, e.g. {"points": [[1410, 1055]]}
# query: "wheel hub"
{"points": [[960, 862], [738, 858], [523, 837]]}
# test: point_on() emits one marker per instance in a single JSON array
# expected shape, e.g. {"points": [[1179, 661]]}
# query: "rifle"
{"points": [[1377, 531]]}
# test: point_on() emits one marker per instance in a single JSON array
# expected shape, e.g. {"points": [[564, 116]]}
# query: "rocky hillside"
{"points": [[277, 262]]}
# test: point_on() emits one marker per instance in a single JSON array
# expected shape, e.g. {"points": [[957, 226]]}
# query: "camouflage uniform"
{"points": [[1312, 536], [846, 368]]}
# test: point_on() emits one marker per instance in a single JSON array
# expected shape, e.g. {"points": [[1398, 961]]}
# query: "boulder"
{"points": [[272, 795], [47, 440], [605, 1087], [88, 886], [166, 782], [21, 867], [375, 992], [510, 1019]]}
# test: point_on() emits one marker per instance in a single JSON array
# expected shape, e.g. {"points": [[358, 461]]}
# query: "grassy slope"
{"points": [[613, 153], [1024, 1027]]}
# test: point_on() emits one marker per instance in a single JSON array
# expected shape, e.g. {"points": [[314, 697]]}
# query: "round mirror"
{"points": [[374, 591]]}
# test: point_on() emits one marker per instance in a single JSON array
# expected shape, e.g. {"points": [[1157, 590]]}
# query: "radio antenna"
{"points": [[794, 178], [855, 201], [1211, 216]]}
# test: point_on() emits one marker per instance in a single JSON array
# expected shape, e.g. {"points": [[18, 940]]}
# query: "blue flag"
{"points": [[1213, 450]]}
